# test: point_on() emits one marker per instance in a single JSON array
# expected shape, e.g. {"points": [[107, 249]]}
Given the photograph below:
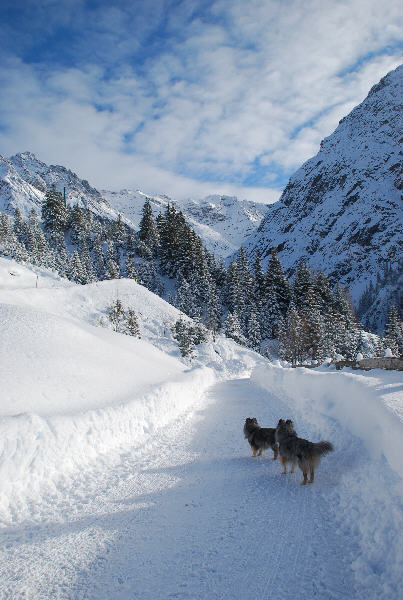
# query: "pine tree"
{"points": [[232, 328], [99, 259], [54, 212], [18, 224], [132, 325], [301, 285], [148, 232], [116, 315], [119, 234], [185, 299], [259, 280], [313, 326], [77, 271], [253, 332], [77, 224], [394, 332], [233, 295], [291, 337], [213, 310], [182, 333], [131, 271], [270, 315], [111, 267], [5, 226], [277, 281]]}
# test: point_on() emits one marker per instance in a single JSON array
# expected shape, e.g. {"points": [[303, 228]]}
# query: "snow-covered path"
{"points": [[191, 515]]}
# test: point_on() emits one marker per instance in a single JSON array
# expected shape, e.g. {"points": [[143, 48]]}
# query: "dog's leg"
{"points": [[259, 452], [293, 466], [275, 453], [253, 451], [312, 474], [305, 474], [284, 465]]}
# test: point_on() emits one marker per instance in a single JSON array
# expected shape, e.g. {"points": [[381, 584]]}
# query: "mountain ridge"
{"points": [[222, 222], [340, 210]]}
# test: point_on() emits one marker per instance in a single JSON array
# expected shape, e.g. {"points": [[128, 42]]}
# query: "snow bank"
{"points": [[35, 450], [356, 413], [370, 406], [72, 393]]}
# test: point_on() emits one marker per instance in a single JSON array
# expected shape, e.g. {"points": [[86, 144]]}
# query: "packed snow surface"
{"points": [[125, 474]]}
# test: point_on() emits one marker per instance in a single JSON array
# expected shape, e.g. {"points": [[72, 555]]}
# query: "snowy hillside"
{"points": [[125, 473], [341, 210], [222, 222], [24, 180]]}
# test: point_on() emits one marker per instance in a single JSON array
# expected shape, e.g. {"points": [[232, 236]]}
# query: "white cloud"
{"points": [[209, 101]]}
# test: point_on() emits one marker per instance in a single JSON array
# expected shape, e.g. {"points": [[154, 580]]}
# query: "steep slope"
{"points": [[340, 211], [24, 180]]}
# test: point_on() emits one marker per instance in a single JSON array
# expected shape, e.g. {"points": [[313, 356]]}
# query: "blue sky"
{"points": [[187, 97]]}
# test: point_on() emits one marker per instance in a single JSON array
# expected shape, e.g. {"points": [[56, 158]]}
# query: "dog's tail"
{"points": [[321, 448]]}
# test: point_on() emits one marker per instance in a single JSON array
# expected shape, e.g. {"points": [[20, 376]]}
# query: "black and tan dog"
{"points": [[295, 450], [259, 438]]}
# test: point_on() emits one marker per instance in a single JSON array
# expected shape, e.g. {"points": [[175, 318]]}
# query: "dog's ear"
{"points": [[280, 422], [289, 422]]}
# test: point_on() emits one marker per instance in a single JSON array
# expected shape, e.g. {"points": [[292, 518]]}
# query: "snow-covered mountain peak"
{"points": [[341, 210], [222, 222]]}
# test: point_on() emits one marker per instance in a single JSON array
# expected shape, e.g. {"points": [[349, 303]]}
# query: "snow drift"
{"points": [[369, 406]]}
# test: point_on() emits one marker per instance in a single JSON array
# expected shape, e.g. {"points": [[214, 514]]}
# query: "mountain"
{"points": [[341, 211], [24, 180], [222, 222]]}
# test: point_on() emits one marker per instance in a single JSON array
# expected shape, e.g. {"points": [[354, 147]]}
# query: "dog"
{"points": [[294, 449], [260, 438]]}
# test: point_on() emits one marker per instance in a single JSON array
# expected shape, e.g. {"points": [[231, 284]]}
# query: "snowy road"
{"points": [[189, 516]]}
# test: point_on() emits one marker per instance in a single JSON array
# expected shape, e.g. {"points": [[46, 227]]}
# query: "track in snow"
{"points": [[191, 516]]}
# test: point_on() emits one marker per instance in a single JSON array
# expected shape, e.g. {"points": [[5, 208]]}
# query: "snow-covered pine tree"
{"points": [[182, 333], [291, 337], [313, 326], [119, 234], [132, 325], [232, 293], [54, 212], [253, 332], [76, 223], [394, 332], [131, 271], [301, 284], [185, 299], [18, 224], [213, 310], [98, 258], [116, 315], [270, 314], [77, 271], [277, 281], [232, 328], [5, 226], [111, 268], [148, 232], [259, 281], [246, 288]]}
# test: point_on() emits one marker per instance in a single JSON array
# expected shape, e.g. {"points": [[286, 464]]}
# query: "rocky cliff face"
{"points": [[341, 211]]}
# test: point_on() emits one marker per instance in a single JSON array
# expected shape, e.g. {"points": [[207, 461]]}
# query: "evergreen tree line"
{"points": [[311, 318]]}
